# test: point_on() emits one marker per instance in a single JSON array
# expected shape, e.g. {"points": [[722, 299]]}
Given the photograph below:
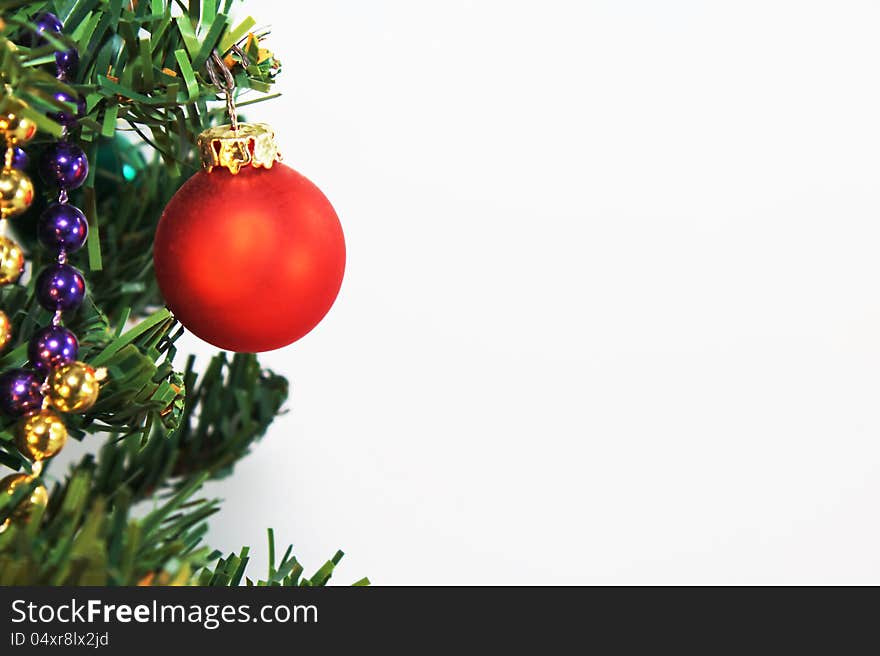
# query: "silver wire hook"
{"points": [[217, 68]]}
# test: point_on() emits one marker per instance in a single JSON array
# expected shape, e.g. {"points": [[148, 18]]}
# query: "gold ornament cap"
{"points": [[251, 144]]}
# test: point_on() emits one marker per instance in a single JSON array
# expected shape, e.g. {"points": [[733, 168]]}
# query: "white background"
{"points": [[612, 305]]}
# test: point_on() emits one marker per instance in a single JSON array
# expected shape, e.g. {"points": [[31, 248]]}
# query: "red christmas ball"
{"points": [[250, 261]]}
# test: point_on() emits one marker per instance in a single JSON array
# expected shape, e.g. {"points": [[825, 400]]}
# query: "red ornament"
{"points": [[250, 261]]}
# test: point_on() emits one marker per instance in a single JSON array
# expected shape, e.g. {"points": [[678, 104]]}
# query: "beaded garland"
{"points": [[55, 381]]}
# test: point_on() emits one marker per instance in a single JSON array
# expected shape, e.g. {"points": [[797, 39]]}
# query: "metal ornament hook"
{"points": [[222, 78]]}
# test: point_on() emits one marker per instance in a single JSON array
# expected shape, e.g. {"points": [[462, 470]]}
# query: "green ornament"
{"points": [[119, 162]]}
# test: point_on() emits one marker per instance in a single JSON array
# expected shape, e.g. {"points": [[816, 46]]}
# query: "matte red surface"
{"points": [[249, 262]]}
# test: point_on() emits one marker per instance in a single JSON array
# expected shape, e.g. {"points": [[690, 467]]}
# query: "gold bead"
{"points": [[16, 192], [39, 495], [25, 131], [40, 435], [11, 261], [5, 330], [15, 127], [73, 387]]}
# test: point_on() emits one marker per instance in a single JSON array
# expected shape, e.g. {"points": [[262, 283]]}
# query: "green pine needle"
{"points": [[160, 428]]}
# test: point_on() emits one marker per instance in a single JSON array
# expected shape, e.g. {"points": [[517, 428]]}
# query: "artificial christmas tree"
{"points": [[102, 102]]}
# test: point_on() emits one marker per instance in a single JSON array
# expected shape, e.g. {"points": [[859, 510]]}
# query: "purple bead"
{"points": [[64, 165], [48, 22], [60, 287], [20, 392], [45, 22], [19, 158], [66, 63], [68, 119], [63, 227], [51, 347]]}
